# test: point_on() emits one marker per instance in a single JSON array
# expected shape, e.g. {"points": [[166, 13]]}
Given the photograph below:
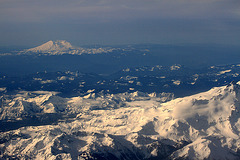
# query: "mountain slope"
{"points": [[59, 45], [201, 126]]}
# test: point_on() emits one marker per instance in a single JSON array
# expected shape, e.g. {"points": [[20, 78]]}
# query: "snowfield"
{"points": [[123, 126]]}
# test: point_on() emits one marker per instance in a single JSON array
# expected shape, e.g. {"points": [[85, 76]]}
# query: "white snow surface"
{"points": [[175, 67], [2, 89], [223, 72], [176, 82], [132, 126]]}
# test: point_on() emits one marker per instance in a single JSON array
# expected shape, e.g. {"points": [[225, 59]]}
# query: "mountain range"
{"points": [[176, 79], [58, 101], [60, 55], [122, 126]]}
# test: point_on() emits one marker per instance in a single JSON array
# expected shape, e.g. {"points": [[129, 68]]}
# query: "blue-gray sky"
{"points": [[32, 22]]}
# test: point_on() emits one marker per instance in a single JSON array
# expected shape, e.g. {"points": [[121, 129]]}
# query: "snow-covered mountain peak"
{"points": [[216, 112], [59, 45]]}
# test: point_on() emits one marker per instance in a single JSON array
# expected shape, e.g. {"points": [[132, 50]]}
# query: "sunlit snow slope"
{"points": [[60, 45], [202, 126]]}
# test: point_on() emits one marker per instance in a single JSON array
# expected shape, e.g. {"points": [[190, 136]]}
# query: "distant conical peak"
{"points": [[58, 45]]}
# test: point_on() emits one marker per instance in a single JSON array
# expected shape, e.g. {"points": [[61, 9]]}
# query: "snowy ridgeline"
{"points": [[126, 126], [25, 103]]}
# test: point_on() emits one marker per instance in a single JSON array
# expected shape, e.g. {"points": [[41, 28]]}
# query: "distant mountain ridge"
{"points": [[60, 47], [183, 81]]}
